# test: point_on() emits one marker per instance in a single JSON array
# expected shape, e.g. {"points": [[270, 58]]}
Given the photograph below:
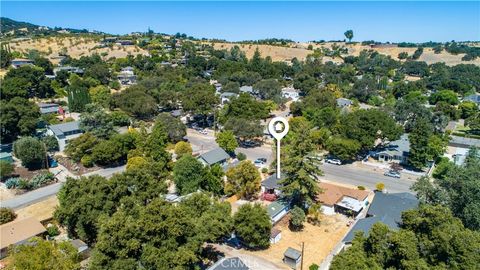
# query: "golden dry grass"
{"points": [[319, 241], [41, 211]]}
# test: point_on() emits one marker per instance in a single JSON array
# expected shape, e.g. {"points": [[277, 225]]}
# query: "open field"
{"points": [[75, 47], [318, 240], [300, 51], [41, 211]]}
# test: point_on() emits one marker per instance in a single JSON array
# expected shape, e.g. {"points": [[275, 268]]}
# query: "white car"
{"points": [[203, 131], [333, 161]]}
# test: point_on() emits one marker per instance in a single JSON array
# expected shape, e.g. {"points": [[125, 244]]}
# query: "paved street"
{"points": [[352, 174]]}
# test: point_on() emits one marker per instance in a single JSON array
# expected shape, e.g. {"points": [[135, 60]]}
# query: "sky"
{"points": [[234, 21]]}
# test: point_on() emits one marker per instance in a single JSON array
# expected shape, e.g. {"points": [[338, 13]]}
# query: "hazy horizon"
{"points": [[237, 21]]}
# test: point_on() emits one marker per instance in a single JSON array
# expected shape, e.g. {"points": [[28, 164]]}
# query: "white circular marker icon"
{"points": [[278, 128]]}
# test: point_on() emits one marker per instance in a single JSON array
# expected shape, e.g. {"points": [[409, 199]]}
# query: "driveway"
{"points": [[253, 262]]}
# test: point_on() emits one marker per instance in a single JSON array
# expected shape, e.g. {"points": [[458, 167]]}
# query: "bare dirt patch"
{"points": [[75, 167], [318, 241], [42, 211]]}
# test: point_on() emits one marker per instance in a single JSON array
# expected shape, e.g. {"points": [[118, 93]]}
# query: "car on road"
{"points": [[392, 173], [333, 161], [248, 144]]}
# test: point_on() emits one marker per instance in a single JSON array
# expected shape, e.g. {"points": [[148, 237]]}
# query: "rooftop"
{"points": [[246, 89], [386, 208], [333, 194], [292, 253], [342, 102], [276, 207], [272, 182], [19, 230], [214, 156], [60, 129], [398, 147]]}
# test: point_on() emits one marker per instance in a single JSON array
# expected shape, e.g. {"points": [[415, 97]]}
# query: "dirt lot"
{"points": [[74, 167], [318, 240], [42, 211]]}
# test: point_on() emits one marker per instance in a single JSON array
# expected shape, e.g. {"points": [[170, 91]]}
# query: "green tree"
{"points": [[244, 129], [253, 226], [227, 141], [6, 169], [174, 127], [447, 96], [419, 139], [78, 95], [297, 218], [349, 35], [44, 255], [17, 117], [269, 89], [81, 146], [188, 174], [96, 121], [6, 215], [101, 95], [135, 101], [200, 98], [403, 55], [301, 173], [213, 180], [51, 143], [36, 83], [114, 150], [243, 180], [344, 149], [468, 109], [31, 151], [182, 148]]}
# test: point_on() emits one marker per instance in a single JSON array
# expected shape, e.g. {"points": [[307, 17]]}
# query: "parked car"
{"points": [[392, 173], [203, 131], [259, 162], [333, 161], [264, 160]]}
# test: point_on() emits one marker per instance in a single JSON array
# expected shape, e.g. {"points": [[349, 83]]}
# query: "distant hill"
{"points": [[12, 28]]}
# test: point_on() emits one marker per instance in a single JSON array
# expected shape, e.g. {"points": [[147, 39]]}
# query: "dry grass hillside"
{"points": [[300, 51], [73, 46]]}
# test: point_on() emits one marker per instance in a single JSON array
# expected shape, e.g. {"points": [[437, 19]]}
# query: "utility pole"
{"points": [[301, 263]]}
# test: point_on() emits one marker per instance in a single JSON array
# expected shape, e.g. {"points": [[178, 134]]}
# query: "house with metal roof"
{"points": [[65, 132], [215, 156], [344, 102], [48, 108], [386, 208], [247, 89], [227, 96], [277, 210], [19, 62], [18, 232], [473, 98], [233, 263], [271, 186], [396, 151]]}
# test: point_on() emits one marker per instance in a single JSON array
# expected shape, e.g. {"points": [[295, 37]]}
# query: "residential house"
{"points": [[127, 76], [459, 148], [270, 187], [290, 93], [226, 97], [233, 263], [215, 156], [339, 199], [125, 42], [292, 257], [473, 98], [344, 102], [277, 210], [18, 232], [68, 69], [386, 208], [48, 108], [247, 89], [396, 151], [65, 132], [19, 62]]}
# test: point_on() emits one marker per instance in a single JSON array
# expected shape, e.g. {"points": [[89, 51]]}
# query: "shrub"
{"points": [[6, 215], [12, 182], [30, 151], [6, 168], [297, 218], [41, 180], [314, 267], [51, 143], [361, 188], [23, 184], [264, 170], [53, 230], [380, 186], [87, 161], [183, 148], [241, 156]]}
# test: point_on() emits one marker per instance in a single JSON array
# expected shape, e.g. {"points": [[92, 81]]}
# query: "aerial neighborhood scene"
{"points": [[239, 135]]}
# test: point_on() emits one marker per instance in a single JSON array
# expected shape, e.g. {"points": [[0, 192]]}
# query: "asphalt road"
{"points": [[353, 175]]}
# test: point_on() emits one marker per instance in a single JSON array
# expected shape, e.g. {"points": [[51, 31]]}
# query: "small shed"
{"points": [[275, 235], [292, 257]]}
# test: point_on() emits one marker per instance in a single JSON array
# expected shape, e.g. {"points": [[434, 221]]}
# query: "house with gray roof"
{"points": [[48, 108], [344, 102], [271, 185], [277, 210], [227, 96], [65, 132], [292, 257], [396, 151], [386, 208], [473, 98], [247, 89], [215, 156]]}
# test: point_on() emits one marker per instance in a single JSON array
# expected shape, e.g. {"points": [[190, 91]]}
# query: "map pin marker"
{"points": [[278, 128]]}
